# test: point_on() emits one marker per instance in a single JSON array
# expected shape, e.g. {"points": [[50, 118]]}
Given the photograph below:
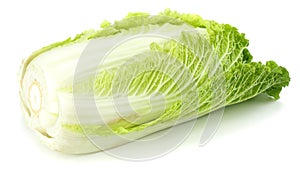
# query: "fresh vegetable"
{"points": [[140, 74]]}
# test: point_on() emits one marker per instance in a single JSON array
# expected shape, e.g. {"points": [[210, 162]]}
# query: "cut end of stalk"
{"points": [[35, 97]]}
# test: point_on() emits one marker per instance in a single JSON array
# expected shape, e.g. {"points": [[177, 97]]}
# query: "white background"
{"points": [[258, 136]]}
